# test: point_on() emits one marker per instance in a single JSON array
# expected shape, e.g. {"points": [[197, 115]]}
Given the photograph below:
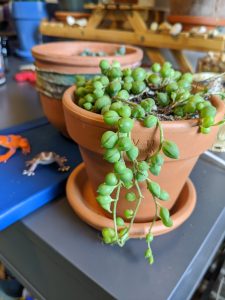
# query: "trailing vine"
{"points": [[123, 96]]}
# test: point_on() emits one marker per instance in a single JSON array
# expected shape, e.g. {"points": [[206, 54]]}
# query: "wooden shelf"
{"points": [[113, 6], [135, 32], [148, 39]]}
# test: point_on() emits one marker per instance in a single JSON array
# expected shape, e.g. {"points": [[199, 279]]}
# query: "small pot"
{"points": [[58, 63], [70, 6], [189, 22], [86, 128]]}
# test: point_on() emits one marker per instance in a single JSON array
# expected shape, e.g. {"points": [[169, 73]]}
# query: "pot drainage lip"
{"points": [[78, 188]]}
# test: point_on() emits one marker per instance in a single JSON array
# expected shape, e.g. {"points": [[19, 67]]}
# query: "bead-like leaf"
{"points": [[154, 188], [165, 217], [105, 202], [170, 149]]}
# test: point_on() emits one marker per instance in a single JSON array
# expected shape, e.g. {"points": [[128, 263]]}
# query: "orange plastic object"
{"points": [[13, 142]]}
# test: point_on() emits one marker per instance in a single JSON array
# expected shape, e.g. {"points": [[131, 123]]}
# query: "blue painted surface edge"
{"points": [[46, 194], [34, 202], [24, 126]]}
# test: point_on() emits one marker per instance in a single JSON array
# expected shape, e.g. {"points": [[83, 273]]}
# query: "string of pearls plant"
{"points": [[123, 96]]}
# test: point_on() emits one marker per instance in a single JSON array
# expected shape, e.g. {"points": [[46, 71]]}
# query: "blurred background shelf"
{"points": [[129, 25]]}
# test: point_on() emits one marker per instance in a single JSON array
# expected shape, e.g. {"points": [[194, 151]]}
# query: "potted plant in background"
{"points": [[71, 5], [209, 13], [140, 134], [27, 16], [58, 63]]}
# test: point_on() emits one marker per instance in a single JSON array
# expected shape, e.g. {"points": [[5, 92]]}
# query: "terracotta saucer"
{"points": [[78, 189]]}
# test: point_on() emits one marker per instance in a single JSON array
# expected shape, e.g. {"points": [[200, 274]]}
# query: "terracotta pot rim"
{"points": [[196, 20], [135, 55], [139, 229], [97, 119], [63, 13]]}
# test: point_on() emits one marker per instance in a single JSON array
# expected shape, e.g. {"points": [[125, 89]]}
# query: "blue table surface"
{"points": [[21, 194]]}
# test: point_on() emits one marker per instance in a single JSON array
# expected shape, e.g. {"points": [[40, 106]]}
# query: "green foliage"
{"points": [[123, 96], [154, 188], [119, 221], [170, 149], [150, 121], [87, 52], [165, 217], [111, 179], [131, 196]]}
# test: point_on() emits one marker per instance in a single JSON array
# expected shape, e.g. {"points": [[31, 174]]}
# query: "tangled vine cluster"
{"points": [[123, 96]]}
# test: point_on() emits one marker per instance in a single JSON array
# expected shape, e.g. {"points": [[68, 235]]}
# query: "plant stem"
{"points": [[161, 137], [155, 217], [178, 103], [161, 134], [151, 226], [161, 140], [129, 102], [138, 204], [114, 213], [219, 123]]}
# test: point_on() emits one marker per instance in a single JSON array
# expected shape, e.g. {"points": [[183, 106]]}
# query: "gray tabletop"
{"points": [[58, 256], [18, 101]]}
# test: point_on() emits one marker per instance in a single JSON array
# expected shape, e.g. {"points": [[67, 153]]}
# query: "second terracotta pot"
{"points": [[209, 13], [58, 63], [86, 128], [53, 110], [65, 58]]}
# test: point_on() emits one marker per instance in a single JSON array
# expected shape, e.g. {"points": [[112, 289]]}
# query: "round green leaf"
{"points": [[130, 196], [111, 179], [109, 139], [132, 154], [105, 189], [154, 188], [120, 221], [111, 117], [125, 125], [170, 149], [128, 213], [150, 121], [112, 155]]}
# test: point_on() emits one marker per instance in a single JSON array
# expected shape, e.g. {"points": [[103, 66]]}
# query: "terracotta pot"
{"points": [[86, 128], [53, 110], [126, 1], [209, 13], [63, 57], [191, 21], [207, 8], [57, 63]]}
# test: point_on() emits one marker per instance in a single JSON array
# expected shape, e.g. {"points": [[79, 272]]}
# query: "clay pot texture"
{"points": [[86, 128], [207, 8], [63, 60], [189, 22], [53, 110], [209, 13], [63, 57]]}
